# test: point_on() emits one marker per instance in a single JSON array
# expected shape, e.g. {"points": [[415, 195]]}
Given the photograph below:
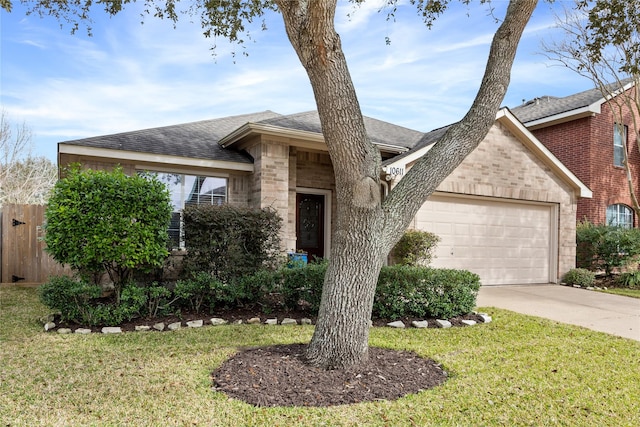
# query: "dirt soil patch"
{"points": [[280, 376]]}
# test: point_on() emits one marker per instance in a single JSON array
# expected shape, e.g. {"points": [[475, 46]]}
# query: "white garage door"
{"points": [[503, 242]]}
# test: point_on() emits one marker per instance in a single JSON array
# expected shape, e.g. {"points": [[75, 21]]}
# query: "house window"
{"points": [[620, 215], [619, 138], [188, 190]]}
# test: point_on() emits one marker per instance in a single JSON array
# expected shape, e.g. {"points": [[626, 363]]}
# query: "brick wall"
{"points": [[585, 146]]}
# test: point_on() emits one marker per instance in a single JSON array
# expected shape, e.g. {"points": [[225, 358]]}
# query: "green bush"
{"points": [[605, 247], [100, 221], [158, 299], [302, 286], [629, 279], [80, 302], [229, 242], [69, 296], [405, 291], [204, 290], [402, 291], [580, 276], [415, 247]]}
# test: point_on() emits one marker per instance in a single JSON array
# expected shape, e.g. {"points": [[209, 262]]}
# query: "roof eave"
{"points": [[566, 116], [136, 156], [249, 129]]}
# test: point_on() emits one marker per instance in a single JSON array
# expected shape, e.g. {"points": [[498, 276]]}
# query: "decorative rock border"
{"points": [[49, 325]]}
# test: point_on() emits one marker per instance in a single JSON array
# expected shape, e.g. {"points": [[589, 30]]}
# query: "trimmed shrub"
{"points": [[580, 276], [79, 302], [302, 286], [229, 242], [415, 247], [605, 247], [405, 291], [100, 221], [204, 290], [69, 296], [402, 291]]}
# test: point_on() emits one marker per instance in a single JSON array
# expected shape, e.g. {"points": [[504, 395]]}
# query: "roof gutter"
{"points": [[152, 158]]}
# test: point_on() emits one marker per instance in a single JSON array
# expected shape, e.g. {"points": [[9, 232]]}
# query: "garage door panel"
{"points": [[504, 242]]}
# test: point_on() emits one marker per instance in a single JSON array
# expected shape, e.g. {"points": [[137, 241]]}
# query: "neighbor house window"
{"points": [[188, 190], [620, 215], [619, 138]]}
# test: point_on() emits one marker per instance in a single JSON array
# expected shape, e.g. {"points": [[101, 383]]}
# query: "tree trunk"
{"points": [[367, 228]]}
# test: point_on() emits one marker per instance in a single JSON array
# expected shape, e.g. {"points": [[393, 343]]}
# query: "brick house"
{"points": [[507, 213], [580, 130]]}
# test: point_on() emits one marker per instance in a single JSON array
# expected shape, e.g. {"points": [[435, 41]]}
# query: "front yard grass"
{"points": [[633, 293], [517, 370]]}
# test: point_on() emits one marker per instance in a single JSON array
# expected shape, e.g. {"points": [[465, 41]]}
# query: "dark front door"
{"points": [[310, 224]]}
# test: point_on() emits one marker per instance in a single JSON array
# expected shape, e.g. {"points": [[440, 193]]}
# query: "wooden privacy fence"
{"points": [[24, 259]]}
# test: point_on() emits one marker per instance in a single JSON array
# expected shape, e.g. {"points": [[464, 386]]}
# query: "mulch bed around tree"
{"points": [[279, 376]]}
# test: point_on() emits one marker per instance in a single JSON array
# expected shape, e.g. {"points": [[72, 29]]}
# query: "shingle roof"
{"points": [[547, 106], [379, 132], [198, 140], [427, 139]]}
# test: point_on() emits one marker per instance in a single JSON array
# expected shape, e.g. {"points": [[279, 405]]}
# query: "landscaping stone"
{"points": [[49, 325], [443, 323], [420, 324], [468, 322], [159, 326], [289, 321], [175, 326], [111, 330], [305, 321], [271, 322], [485, 317], [195, 323], [83, 331], [254, 321], [217, 321], [143, 328], [396, 324], [64, 331]]}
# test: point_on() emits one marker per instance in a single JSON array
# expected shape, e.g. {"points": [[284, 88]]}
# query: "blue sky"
{"points": [[130, 76]]}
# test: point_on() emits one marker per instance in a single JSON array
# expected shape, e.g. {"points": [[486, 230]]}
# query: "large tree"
{"points": [[24, 177], [366, 227], [602, 43]]}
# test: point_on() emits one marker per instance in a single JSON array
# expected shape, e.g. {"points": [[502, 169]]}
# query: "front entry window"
{"points": [[620, 215]]}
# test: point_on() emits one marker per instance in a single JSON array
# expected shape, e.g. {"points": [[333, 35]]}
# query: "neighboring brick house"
{"points": [[507, 212], [580, 130]]}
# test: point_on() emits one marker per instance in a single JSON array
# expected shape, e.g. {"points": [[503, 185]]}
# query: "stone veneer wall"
{"points": [[502, 167]]}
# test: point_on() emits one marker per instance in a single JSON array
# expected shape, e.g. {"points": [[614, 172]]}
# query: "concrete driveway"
{"points": [[613, 314]]}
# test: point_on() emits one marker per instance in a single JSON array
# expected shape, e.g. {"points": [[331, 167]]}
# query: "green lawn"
{"points": [[517, 370], [633, 293]]}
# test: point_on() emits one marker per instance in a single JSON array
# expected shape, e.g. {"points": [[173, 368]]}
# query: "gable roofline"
{"points": [[509, 120], [306, 138], [581, 111]]}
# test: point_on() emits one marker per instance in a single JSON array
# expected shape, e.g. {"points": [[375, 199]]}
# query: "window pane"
{"points": [[619, 135], [620, 215]]}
